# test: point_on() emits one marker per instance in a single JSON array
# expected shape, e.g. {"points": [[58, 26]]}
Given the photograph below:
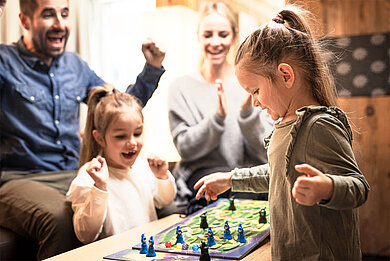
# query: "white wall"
{"points": [[175, 29]]}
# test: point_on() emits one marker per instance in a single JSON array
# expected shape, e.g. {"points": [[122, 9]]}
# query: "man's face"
{"points": [[49, 28]]}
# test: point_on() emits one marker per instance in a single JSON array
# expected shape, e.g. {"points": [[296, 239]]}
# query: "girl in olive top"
{"points": [[314, 183]]}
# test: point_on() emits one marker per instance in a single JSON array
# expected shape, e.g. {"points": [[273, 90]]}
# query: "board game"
{"points": [[134, 255], [246, 213]]}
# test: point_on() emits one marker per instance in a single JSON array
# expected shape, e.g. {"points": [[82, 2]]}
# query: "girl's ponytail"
{"points": [[89, 147], [317, 71]]}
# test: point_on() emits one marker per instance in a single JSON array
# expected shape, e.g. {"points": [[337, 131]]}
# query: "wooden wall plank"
{"points": [[370, 120], [349, 17], [193, 4]]}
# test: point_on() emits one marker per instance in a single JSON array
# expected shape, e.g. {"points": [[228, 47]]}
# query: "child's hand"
{"points": [[310, 189], [214, 184], [247, 103], [154, 55], [159, 167], [98, 171], [221, 108]]}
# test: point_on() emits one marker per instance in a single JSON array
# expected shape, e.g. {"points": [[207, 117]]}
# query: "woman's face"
{"points": [[215, 36]]}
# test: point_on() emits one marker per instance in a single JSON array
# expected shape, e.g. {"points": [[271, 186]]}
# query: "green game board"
{"points": [[246, 213]]}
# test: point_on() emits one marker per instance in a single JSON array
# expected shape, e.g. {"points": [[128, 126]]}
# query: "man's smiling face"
{"points": [[48, 29]]}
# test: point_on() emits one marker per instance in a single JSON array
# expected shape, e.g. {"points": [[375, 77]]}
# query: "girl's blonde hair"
{"points": [[288, 38], [224, 10], [104, 106]]}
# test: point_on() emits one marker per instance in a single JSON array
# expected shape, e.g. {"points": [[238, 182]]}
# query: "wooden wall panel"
{"points": [[369, 118], [348, 17], [357, 17], [193, 4]]}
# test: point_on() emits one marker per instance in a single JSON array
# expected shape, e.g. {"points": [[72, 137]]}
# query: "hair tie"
{"points": [[105, 94], [278, 19]]}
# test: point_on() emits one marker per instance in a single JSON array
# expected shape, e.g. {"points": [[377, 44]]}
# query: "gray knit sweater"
{"points": [[205, 140]]}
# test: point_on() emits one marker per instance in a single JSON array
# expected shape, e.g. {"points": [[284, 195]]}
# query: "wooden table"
{"points": [[99, 249]]}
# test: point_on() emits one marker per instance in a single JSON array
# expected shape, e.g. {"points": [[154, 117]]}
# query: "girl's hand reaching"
{"points": [[98, 171], [221, 108], [311, 189], [159, 167], [214, 184], [247, 103]]}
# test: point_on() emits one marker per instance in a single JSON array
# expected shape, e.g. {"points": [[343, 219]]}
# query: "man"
{"points": [[41, 87]]}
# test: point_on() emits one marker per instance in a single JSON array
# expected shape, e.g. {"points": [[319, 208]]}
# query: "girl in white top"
{"points": [[114, 190]]}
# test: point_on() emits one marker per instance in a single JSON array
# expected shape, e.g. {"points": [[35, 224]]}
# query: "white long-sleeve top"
{"points": [[131, 200]]}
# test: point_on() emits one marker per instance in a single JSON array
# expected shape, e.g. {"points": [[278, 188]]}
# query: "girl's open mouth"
{"points": [[128, 155]]}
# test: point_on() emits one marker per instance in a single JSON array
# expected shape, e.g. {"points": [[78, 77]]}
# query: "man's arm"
{"points": [[146, 84], [147, 80]]}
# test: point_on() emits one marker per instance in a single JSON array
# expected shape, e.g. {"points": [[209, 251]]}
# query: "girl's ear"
{"points": [[287, 74], [99, 138]]}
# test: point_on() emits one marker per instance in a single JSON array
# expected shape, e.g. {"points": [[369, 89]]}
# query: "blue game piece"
{"points": [[144, 246], [195, 247], [226, 234], [179, 236], [241, 235], [210, 238], [151, 252]]}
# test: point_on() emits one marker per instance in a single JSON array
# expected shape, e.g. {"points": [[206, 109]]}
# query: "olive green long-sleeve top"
{"points": [[321, 137]]}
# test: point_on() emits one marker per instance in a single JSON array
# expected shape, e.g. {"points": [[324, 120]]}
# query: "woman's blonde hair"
{"points": [[104, 106], [224, 10], [288, 38]]}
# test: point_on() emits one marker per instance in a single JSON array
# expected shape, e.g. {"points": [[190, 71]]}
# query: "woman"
{"points": [[210, 122]]}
